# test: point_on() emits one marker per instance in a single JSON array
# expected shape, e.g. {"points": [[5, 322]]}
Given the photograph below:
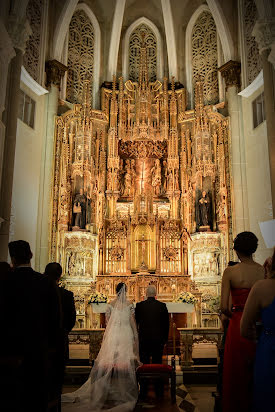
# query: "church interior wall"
{"points": [[257, 173], [25, 194], [256, 199]]}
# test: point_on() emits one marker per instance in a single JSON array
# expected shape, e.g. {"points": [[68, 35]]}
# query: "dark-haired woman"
{"points": [[239, 352], [261, 302]]}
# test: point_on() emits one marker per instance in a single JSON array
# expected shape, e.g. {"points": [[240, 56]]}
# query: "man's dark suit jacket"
{"points": [[68, 315], [30, 318], [152, 320], [32, 312]]}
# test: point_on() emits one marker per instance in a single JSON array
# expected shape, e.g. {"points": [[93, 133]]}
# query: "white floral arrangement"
{"points": [[186, 297], [97, 298]]}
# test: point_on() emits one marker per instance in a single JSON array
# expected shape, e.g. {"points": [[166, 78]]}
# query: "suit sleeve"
{"points": [[54, 314], [72, 313], [165, 320]]}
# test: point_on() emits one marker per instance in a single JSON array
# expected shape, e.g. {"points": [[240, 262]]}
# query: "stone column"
{"points": [[264, 32], [231, 71], [7, 52], [54, 71], [19, 31]]}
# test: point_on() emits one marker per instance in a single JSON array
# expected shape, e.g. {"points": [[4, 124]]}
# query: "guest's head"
{"points": [[53, 271], [151, 291], [120, 286], [20, 253], [245, 244]]}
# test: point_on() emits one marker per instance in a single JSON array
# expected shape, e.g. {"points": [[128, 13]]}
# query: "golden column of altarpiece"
{"points": [[141, 194]]}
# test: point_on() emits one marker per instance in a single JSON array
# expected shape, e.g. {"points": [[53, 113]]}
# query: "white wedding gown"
{"points": [[112, 384]]}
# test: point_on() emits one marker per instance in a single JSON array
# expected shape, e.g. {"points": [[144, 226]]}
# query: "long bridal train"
{"points": [[112, 382]]}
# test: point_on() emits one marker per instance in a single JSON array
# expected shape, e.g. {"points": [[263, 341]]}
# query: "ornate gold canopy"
{"points": [[141, 190]]}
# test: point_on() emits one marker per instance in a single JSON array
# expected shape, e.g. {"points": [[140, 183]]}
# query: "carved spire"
{"points": [[86, 95], [143, 65], [201, 122]]}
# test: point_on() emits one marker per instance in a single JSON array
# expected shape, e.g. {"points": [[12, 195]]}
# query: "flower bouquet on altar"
{"points": [[186, 297], [98, 302], [184, 303]]}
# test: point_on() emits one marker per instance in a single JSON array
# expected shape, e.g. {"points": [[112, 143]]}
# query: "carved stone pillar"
{"points": [[19, 31], [7, 52], [231, 72], [264, 32], [54, 71]]}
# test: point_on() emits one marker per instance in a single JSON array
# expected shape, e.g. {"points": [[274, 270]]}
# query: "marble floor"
{"points": [[201, 396]]}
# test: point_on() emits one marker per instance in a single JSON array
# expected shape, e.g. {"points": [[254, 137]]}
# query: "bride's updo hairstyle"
{"points": [[120, 286], [246, 243]]}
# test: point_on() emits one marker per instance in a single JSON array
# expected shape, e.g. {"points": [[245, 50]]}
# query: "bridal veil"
{"points": [[112, 382]]}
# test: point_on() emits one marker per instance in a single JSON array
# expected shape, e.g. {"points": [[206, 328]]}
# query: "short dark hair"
{"points": [[120, 286], [232, 263], [53, 270], [20, 251], [246, 243]]}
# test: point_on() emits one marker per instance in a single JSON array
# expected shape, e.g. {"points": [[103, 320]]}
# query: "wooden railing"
{"points": [[189, 336]]}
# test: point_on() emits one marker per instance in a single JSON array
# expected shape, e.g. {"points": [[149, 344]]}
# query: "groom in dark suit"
{"points": [[153, 327]]}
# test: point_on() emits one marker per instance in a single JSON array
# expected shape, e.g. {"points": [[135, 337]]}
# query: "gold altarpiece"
{"points": [[141, 194]]}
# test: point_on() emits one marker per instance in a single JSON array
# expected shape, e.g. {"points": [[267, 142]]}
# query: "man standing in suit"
{"points": [[68, 317], [153, 327], [30, 315]]}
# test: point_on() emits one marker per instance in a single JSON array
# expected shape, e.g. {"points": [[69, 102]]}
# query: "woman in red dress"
{"points": [[239, 352]]}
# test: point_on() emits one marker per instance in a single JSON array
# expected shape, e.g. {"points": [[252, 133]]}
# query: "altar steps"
{"points": [[199, 374]]}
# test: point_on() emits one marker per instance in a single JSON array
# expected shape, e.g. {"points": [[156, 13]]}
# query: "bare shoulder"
{"points": [[260, 268], [228, 272], [112, 303], [263, 284]]}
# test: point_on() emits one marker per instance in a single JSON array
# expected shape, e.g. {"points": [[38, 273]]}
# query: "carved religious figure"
{"points": [[164, 176], [156, 177], [222, 208], [127, 178], [204, 210], [89, 210], [79, 210], [176, 179], [170, 180], [120, 176], [133, 175]]}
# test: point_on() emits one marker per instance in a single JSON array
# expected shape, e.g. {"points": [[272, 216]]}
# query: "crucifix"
{"points": [[143, 241]]}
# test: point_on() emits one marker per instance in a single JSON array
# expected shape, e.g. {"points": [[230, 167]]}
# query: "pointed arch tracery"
{"points": [[81, 49], [61, 45], [142, 29], [203, 55], [33, 57], [251, 60]]}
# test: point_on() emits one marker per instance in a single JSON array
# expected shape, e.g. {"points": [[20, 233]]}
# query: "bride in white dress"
{"points": [[112, 384]]}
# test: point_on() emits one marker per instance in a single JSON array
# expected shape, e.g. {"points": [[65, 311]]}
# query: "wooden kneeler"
{"points": [[159, 371]]}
